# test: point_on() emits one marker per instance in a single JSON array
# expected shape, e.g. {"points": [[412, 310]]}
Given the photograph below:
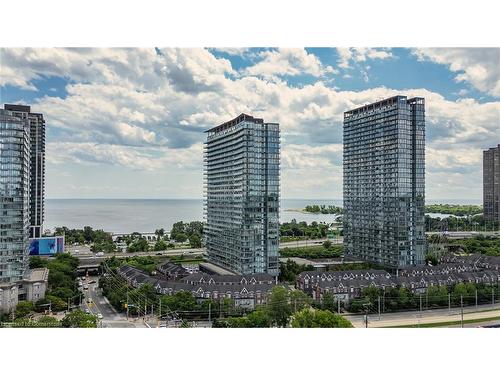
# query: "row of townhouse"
{"points": [[476, 260], [440, 269], [172, 271], [246, 291], [347, 289], [307, 280], [253, 279]]}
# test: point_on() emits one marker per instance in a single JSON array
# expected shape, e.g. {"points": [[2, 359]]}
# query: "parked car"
{"points": [[99, 316]]}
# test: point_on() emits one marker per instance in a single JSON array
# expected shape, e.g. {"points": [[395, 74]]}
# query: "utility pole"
{"points": [[127, 305], [378, 307], [365, 305], [462, 309], [449, 303], [338, 305], [420, 303]]}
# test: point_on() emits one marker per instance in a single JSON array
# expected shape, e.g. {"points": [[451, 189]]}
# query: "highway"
{"points": [[90, 255], [416, 318], [84, 253]]}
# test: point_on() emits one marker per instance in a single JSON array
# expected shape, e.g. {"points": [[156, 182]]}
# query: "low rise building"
{"points": [[246, 291], [32, 287], [172, 271], [347, 285]]}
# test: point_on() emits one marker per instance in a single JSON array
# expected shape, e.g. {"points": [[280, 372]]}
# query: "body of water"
{"points": [[146, 215]]}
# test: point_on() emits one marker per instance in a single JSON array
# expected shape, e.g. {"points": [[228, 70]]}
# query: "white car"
{"points": [[99, 316]]}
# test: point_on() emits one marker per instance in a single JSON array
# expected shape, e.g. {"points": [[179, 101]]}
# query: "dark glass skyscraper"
{"points": [[491, 184], [14, 196], [384, 182], [242, 187], [37, 165]]}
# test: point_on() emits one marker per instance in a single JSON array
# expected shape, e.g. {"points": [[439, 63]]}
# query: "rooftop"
{"points": [[379, 104], [210, 267], [235, 121], [37, 275]]}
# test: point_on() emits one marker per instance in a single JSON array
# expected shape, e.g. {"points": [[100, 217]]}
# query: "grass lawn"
{"points": [[446, 324]]}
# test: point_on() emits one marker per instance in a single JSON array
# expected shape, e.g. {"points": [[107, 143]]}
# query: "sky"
{"points": [[129, 123]]}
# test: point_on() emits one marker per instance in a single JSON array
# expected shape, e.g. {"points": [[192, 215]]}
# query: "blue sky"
{"points": [[129, 122]]}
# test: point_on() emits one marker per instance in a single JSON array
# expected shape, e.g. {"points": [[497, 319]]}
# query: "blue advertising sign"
{"points": [[46, 245]]}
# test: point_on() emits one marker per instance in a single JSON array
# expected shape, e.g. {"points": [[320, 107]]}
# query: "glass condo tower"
{"points": [[14, 196], [384, 182], [242, 191]]}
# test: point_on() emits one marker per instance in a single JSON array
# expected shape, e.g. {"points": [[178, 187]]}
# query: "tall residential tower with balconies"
{"points": [[242, 192], [384, 182], [491, 185], [14, 197], [37, 165]]}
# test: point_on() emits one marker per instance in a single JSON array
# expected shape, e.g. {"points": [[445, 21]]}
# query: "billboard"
{"points": [[46, 245]]}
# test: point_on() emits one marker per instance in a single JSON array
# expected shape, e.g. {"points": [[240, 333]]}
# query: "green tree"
{"points": [[278, 306], [299, 300], [48, 322], [62, 293], [311, 318], [327, 244], [37, 262], [437, 295], [24, 308], [138, 245], [432, 259], [459, 290], [79, 319], [180, 301], [181, 237], [56, 304], [259, 318], [329, 302], [371, 293], [160, 233], [160, 245], [195, 241]]}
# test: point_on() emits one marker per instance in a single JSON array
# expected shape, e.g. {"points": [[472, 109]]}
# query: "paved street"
{"points": [[428, 316], [99, 305]]}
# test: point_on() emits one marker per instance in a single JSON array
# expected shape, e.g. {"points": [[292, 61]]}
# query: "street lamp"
{"points": [[365, 306]]}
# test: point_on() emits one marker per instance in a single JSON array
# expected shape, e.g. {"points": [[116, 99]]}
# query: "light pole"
{"points": [[366, 305], [462, 310]]}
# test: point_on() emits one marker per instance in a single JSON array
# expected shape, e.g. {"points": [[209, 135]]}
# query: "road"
{"points": [[84, 252], [99, 305], [90, 255], [428, 316], [305, 243]]}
